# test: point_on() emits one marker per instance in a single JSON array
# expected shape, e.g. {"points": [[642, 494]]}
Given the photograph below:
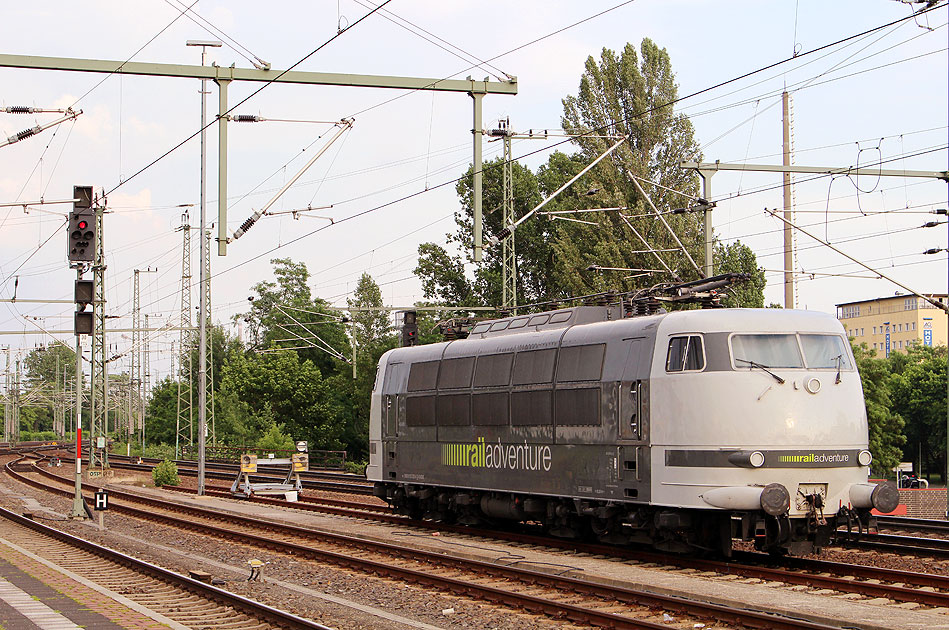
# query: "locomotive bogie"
{"points": [[685, 430]]}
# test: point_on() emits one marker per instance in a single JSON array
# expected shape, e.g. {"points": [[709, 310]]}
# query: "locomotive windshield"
{"points": [[775, 351], [825, 352], [820, 352]]}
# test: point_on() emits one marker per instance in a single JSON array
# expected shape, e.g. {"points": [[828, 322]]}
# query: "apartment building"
{"points": [[893, 324]]}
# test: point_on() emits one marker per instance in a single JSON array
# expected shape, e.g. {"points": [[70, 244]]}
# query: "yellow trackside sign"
{"points": [[300, 462], [248, 463]]}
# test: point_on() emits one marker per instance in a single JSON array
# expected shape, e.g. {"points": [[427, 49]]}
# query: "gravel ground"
{"points": [[157, 544], [163, 546]]}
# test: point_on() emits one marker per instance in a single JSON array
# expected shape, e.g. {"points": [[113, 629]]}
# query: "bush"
{"points": [[356, 468], [160, 451], [38, 436], [166, 474]]}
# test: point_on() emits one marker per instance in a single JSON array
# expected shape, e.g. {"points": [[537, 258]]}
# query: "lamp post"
{"points": [[202, 279]]}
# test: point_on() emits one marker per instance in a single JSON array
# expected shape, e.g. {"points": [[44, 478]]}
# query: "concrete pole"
{"points": [[221, 166], [707, 227], [476, 133], [202, 299], [788, 213]]}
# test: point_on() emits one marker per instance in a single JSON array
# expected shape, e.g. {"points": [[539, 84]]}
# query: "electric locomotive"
{"points": [[685, 430]]}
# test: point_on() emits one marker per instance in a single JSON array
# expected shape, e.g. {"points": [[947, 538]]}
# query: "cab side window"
{"points": [[686, 354]]}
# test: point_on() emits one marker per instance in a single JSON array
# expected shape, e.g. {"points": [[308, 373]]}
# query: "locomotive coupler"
{"points": [[815, 509]]}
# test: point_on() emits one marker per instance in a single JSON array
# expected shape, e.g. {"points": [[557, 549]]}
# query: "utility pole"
{"points": [[146, 384], [78, 507], [99, 458], [209, 343], [7, 401], [184, 431], [204, 282], [789, 301]]}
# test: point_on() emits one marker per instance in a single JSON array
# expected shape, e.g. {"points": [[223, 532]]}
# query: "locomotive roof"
{"points": [[598, 323]]}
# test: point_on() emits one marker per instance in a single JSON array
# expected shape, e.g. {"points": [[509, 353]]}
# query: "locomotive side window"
{"points": [[490, 408], [454, 373], [578, 406], [499, 325], [531, 408], [825, 352], [493, 370], [773, 351], [420, 411], [537, 320], [535, 366], [520, 322], [422, 375], [557, 318], [686, 354], [581, 363], [480, 328], [453, 410]]}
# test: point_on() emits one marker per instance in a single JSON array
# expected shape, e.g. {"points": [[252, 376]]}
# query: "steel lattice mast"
{"points": [[135, 369], [209, 345], [184, 435], [100, 372]]}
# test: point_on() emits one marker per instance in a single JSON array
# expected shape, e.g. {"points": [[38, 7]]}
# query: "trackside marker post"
{"points": [[78, 509]]}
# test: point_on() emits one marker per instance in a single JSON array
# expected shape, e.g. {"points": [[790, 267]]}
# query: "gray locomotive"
{"points": [[684, 430]]}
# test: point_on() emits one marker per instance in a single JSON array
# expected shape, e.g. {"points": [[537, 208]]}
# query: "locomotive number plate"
{"points": [[805, 489]]}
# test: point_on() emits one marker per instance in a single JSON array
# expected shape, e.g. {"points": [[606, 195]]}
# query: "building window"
{"points": [[874, 332], [914, 325], [899, 327], [909, 304], [851, 310], [861, 332]]}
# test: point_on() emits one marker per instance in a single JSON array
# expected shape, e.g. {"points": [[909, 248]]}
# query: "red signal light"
{"points": [[82, 225]]}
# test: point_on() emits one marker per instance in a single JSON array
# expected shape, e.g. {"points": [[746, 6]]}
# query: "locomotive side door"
{"points": [[634, 392], [394, 383]]}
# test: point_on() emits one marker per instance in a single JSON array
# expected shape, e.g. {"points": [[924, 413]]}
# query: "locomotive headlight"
{"points": [[864, 458], [746, 459]]}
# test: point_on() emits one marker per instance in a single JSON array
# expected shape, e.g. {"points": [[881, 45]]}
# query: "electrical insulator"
{"points": [[19, 109], [246, 225], [246, 118]]}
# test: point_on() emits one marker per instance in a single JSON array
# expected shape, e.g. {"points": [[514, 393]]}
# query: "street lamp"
{"points": [[202, 278]]}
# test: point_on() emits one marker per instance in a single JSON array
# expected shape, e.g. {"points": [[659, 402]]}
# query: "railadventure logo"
{"points": [[813, 458], [498, 456]]}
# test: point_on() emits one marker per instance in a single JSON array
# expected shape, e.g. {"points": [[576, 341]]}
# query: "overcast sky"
{"points": [[881, 97]]}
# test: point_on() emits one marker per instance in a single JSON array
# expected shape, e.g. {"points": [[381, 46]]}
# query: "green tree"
{"points": [[372, 336], [290, 390], [284, 314], [918, 391], [161, 413], [739, 258], [885, 426], [273, 439], [620, 95]]}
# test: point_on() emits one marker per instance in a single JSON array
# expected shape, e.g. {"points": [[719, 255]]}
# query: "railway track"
{"points": [[580, 600], [905, 523], [316, 480], [869, 581], [171, 595]]}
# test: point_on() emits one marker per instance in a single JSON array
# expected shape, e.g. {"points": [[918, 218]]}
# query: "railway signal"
{"points": [[409, 328], [81, 232]]}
